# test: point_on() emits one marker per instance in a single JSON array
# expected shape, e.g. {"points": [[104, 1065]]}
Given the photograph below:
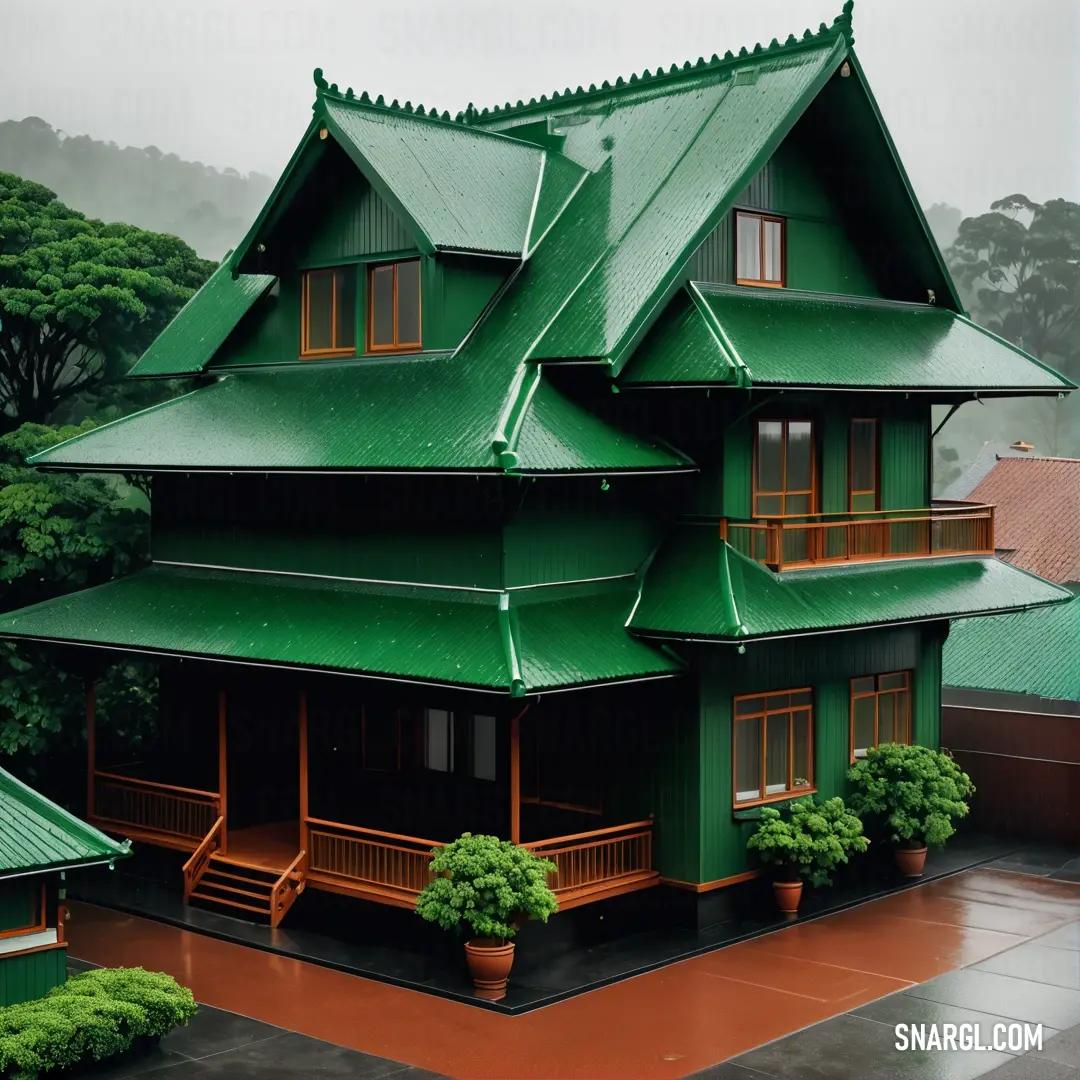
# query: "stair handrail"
{"points": [[297, 870], [196, 866]]}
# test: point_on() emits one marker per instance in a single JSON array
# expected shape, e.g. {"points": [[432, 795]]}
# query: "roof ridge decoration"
{"points": [[471, 115]]}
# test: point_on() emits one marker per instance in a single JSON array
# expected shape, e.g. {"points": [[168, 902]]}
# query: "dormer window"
{"points": [[328, 306], [394, 307], [759, 250]]}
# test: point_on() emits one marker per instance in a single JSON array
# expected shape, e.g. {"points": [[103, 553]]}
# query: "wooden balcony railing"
{"points": [[818, 539], [180, 817]]}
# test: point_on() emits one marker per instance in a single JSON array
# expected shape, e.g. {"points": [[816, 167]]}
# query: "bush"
{"points": [[488, 884], [810, 840], [919, 792], [93, 1016]]}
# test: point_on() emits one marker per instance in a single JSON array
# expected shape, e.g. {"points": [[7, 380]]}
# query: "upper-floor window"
{"points": [[328, 312], [760, 250], [863, 469], [394, 306], [774, 745], [784, 468], [880, 711]]}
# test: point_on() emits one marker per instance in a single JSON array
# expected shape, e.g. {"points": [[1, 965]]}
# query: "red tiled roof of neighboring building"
{"points": [[1037, 521]]}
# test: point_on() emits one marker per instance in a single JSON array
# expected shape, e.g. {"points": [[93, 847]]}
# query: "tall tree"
{"points": [[79, 299]]}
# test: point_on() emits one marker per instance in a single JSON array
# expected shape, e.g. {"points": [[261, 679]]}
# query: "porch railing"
{"points": [[588, 860], [184, 815], [196, 866], [287, 888], [369, 857], [783, 544]]}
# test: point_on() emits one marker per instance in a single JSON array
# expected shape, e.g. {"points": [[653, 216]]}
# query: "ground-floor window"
{"points": [[773, 745], [880, 711]]}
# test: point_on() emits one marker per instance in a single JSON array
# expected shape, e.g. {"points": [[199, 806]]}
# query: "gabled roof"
{"points": [[716, 334], [38, 835], [514, 642], [988, 456], [1037, 514], [1032, 652], [698, 587], [371, 415]]}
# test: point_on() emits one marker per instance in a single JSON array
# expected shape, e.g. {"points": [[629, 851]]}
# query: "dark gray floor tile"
{"points": [[1065, 937], [1033, 1067], [852, 1048], [1002, 995], [1039, 963], [904, 1009], [1064, 1048], [155, 1062]]}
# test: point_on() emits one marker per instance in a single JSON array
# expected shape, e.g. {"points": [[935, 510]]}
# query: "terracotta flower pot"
{"points": [[788, 894], [490, 960], [910, 860]]}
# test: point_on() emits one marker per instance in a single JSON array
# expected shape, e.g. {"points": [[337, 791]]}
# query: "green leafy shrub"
{"points": [[93, 1016], [487, 884], [808, 840], [917, 790]]}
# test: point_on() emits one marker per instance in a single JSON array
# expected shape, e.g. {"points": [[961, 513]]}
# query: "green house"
{"points": [[39, 843], [559, 470]]}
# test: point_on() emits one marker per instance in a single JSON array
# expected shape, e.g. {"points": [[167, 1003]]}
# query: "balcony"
{"points": [[828, 539]]}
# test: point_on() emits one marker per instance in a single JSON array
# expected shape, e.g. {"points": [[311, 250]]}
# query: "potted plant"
{"points": [[490, 887], [918, 791], [807, 841]]}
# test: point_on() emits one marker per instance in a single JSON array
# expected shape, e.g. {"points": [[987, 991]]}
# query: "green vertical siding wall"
{"points": [[456, 291], [738, 468], [693, 759], [905, 457], [356, 222], [31, 975]]}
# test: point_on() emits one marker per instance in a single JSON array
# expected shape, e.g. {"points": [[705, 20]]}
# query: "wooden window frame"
{"points": [[307, 353], [792, 792], [35, 927], [364, 767], [782, 221], [876, 694], [783, 494], [877, 463], [369, 330]]}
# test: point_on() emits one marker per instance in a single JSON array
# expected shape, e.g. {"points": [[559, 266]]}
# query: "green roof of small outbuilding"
{"points": [[699, 587], [37, 835]]}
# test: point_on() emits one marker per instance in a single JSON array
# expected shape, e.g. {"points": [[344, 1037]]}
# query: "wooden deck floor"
{"points": [[272, 846]]}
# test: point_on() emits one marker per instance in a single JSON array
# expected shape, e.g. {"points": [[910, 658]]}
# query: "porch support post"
{"points": [[515, 779], [91, 745], [222, 771], [303, 772]]}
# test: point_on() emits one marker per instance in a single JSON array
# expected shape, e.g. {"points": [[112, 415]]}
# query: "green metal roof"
{"points": [[200, 328], [791, 339], [698, 587], [430, 412], [38, 835], [446, 636], [1031, 652]]}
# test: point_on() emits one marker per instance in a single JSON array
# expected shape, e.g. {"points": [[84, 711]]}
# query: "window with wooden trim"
{"points": [[394, 306], [784, 469], [328, 312], [22, 907], [760, 250], [380, 739], [864, 489], [773, 746], [880, 711]]}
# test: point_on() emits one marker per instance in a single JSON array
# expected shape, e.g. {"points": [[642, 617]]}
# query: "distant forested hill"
{"points": [[209, 209]]}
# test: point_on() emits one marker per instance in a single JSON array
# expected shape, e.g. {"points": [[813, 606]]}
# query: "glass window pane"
{"points": [[770, 455], [863, 455], [345, 307], [747, 760], [749, 706], [865, 685], [774, 267], [864, 502], [799, 455], [903, 716], [886, 718], [777, 749], [748, 247], [795, 505], [804, 697], [801, 751], [381, 741], [408, 302], [320, 300], [896, 681], [439, 740], [769, 506], [484, 747], [777, 701], [382, 306], [863, 719]]}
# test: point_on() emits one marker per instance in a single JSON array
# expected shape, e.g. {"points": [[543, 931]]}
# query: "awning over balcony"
{"points": [[518, 643], [713, 334], [698, 587]]}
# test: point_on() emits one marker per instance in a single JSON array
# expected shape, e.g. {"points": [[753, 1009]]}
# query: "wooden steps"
{"points": [[224, 882]]}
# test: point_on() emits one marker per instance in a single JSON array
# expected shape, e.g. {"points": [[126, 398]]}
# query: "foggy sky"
{"points": [[982, 96]]}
